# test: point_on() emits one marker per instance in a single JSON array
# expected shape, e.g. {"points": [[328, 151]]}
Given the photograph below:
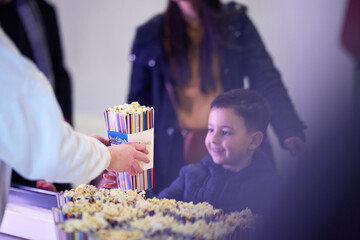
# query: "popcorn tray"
{"points": [[92, 213]]}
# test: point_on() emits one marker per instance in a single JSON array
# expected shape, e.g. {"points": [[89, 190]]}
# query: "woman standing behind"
{"points": [[183, 59]]}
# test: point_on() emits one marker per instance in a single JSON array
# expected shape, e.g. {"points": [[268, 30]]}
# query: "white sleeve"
{"points": [[34, 139]]}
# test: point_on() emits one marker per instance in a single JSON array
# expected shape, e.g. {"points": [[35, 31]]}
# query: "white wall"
{"points": [[303, 38], [97, 37]]}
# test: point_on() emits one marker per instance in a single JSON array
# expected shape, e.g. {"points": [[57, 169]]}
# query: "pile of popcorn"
{"points": [[126, 108], [115, 214]]}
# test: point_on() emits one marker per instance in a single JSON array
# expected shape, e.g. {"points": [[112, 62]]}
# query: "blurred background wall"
{"points": [[303, 38]]}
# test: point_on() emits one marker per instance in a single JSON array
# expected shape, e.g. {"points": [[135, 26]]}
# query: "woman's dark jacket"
{"points": [[241, 54], [230, 191]]}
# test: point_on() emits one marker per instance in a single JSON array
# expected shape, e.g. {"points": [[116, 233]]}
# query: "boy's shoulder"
{"points": [[262, 162], [260, 169], [201, 167]]}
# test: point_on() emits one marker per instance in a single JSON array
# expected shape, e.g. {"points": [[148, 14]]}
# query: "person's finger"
{"points": [[290, 145], [142, 157], [110, 185], [294, 151], [111, 172], [41, 184], [46, 186], [300, 146], [131, 172], [137, 167], [109, 177], [141, 147]]}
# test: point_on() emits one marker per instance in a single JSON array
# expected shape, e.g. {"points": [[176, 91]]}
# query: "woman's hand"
{"points": [[45, 186], [295, 145], [125, 157], [109, 179]]}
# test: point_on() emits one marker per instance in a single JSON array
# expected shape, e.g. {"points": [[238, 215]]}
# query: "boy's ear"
{"points": [[256, 140]]}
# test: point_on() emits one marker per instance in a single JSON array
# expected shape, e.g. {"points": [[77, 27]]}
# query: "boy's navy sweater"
{"points": [[206, 181]]}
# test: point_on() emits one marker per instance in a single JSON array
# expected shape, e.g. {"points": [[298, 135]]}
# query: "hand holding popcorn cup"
{"points": [[132, 123], [132, 152]]}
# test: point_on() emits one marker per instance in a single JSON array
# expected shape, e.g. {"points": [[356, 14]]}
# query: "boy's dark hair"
{"points": [[248, 104]]}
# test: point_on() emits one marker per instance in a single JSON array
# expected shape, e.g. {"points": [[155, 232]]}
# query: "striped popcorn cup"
{"points": [[132, 123]]}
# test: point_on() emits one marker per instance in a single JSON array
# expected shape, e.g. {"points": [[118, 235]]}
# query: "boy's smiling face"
{"points": [[228, 141]]}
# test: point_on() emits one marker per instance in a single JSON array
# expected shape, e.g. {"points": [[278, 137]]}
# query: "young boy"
{"points": [[235, 175]]}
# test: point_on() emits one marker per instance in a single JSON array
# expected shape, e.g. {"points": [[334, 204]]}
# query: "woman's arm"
{"points": [[266, 79]]}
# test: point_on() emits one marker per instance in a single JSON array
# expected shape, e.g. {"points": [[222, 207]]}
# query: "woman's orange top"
{"points": [[194, 105]]}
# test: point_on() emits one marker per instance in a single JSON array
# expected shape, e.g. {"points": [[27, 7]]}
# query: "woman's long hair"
{"points": [[177, 43]]}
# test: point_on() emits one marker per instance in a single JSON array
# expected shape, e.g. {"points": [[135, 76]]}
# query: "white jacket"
{"points": [[34, 139]]}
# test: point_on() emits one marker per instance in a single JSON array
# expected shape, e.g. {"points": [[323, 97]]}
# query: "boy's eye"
{"points": [[226, 133], [210, 130]]}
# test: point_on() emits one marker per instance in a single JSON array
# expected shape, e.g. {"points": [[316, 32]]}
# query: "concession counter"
{"points": [[28, 214]]}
